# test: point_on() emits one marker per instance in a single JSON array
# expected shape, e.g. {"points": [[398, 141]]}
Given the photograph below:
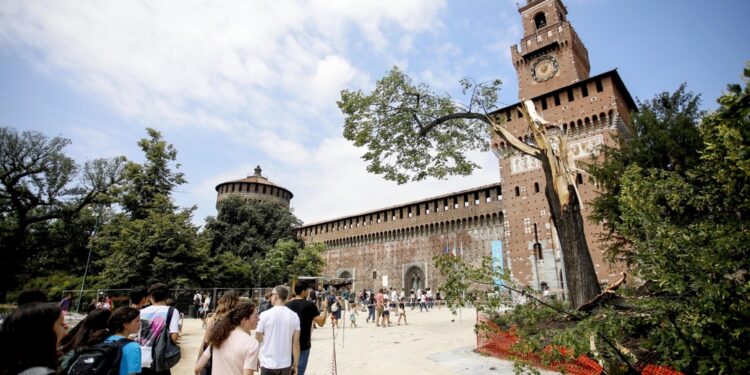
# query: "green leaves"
{"points": [[40, 187], [410, 133]]}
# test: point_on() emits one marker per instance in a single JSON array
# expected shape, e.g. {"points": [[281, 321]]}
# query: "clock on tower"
{"points": [[550, 54]]}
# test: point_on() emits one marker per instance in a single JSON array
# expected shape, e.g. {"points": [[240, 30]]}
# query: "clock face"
{"points": [[544, 69]]}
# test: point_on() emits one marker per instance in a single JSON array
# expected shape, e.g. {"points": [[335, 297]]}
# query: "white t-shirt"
{"points": [[237, 353], [156, 317], [394, 295], [277, 325]]}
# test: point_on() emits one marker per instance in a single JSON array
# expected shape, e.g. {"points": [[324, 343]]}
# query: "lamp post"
{"points": [[88, 259]]}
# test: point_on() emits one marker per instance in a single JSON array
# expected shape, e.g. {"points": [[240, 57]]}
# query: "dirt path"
{"points": [[433, 343]]}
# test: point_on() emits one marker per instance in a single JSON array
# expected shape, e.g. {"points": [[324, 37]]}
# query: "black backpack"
{"points": [[100, 359]]}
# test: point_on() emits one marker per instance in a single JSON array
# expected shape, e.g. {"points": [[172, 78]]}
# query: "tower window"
{"points": [[570, 95], [518, 191], [557, 99], [536, 187], [584, 91], [540, 20], [599, 87], [579, 179], [544, 103], [374, 275]]}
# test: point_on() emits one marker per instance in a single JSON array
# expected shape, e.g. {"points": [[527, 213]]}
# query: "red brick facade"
{"points": [[553, 70]]}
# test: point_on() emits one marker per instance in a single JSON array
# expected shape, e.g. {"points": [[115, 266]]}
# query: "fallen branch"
{"points": [[606, 295]]}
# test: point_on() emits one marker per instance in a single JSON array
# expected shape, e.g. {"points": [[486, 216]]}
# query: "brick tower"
{"points": [[553, 70]]}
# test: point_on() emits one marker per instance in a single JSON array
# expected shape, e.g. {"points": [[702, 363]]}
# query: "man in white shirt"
{"points": [[153, 321], [278, 333], [197, 304]]}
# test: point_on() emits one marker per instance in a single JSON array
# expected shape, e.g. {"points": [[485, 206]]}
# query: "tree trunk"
{"points": [[579, 268]]}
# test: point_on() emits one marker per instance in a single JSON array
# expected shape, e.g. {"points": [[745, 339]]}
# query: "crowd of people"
{"points": [[138, 338], [269, 336]]}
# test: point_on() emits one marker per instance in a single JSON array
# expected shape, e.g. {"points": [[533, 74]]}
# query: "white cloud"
{"points": [[195, 63], [333, 184]]}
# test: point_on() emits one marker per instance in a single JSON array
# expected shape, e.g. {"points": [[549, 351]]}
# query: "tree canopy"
{"points": [[256, 241], [152, 240], [42, 189]]}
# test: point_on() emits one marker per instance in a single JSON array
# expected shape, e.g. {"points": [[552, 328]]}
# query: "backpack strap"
{"points": [[170, 311]]}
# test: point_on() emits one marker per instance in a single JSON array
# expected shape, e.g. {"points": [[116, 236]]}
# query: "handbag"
{"points": [[166, 353]]}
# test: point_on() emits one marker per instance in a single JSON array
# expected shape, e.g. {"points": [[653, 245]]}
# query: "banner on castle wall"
{"points": [[497, 259]]}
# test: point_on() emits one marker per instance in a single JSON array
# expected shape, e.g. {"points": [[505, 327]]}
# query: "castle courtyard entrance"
{"points": [[414, 278]]}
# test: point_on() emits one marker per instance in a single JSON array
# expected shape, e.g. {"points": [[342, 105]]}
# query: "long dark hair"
{"points": [[28, 338], [121, 316], [91, 330], [225, 326]]}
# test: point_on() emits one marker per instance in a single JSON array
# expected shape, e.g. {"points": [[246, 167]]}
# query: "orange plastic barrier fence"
{"points": [[491, 340]]}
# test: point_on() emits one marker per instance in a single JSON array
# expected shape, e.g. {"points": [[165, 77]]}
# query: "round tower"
{"points": [[255, 186]]}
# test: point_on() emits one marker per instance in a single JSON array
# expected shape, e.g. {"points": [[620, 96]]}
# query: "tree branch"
{"points": [[454, 116]]}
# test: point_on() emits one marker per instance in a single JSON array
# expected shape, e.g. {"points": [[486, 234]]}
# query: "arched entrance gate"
{"points": [[414, 277]]}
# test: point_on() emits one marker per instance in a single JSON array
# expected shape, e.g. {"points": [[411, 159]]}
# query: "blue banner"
{"points": [[497, 259]]}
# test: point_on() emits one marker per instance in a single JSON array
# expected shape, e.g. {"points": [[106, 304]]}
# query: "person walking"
{"points": [[353, 313], [153, 322], [197, 304], [278, 333], [371, 308], [228, 302], [402, 313], [379, 305], [232, 350], [423, 301], [125, 321], [138, 297], [393, 300], [65, 303], [308, 314]]}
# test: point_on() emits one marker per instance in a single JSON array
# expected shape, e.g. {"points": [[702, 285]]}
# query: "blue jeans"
{"points": [[302, 365]]}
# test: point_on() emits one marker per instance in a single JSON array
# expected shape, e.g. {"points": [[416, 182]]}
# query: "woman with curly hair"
{"points": [[227, 303], [29, 338], [232, 350], [91, 330]]}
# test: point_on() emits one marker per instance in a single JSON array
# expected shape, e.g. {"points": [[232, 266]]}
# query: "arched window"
{"points": [[540, 20]]}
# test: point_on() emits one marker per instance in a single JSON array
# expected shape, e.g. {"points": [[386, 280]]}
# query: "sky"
{"points": [[237, 83]]}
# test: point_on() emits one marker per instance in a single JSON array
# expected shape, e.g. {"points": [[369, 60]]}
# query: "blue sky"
{"points": [[234, 84]]}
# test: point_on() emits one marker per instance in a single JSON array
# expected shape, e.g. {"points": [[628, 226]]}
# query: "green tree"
{"points": [[256, 238], [152, 240], [162, 247], [309, 260], [250, 228], [150, 185], [664, 135], [412, 133], [688, 232], [40, 185]]}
